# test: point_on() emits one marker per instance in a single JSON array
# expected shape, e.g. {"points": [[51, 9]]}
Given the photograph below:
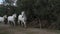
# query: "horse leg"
{"points": [[18, 22], [8, 22], [14, 23], [24, 24], [21, 23], [3, 22]]}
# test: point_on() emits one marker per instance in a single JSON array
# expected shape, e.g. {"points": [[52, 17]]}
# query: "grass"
{"points": [[53, 30], [18, 29], [56, 31], [4, 33]]}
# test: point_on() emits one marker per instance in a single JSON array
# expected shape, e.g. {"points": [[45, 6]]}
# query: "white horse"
{"points": [[22, 18], [12, 19], [3, 18]]}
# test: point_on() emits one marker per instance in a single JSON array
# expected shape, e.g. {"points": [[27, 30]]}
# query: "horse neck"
{"points": [[3, 17], [23, 14], [13, 16]]}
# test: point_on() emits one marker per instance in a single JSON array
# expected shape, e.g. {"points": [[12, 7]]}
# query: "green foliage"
{"points": [[45, 9], [2, 11]]}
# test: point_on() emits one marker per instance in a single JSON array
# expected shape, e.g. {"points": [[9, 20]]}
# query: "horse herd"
{"points": [[21, 17]]}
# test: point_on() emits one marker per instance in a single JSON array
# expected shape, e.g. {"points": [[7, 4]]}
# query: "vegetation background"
{"points": [[45, 11]]}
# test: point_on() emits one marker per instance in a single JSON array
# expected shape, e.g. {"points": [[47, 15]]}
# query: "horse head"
{"points": [[14, 15], [22, 12], [5, 16], [23, 15]]}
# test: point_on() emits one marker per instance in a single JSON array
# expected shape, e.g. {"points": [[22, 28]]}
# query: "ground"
{"points": [[6, 29]]}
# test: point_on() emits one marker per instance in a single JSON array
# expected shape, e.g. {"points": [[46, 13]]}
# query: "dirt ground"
{"points": [[6, 29]]}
